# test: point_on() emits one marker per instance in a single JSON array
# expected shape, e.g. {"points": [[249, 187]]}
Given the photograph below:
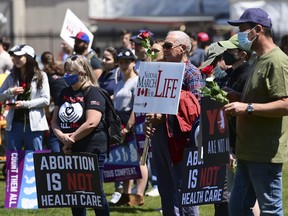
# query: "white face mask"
{"points": [[244, 42]]}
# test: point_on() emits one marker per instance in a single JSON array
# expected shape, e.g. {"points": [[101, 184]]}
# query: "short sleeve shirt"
{"points": [[72, 114], [94, 61], [262, 139], [124, 94]]}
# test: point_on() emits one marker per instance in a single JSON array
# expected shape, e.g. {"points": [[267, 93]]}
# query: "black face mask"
{"points": [[229, 58]]}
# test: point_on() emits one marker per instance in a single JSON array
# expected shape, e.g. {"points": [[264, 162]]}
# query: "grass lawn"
{"points": [[149, 209]]}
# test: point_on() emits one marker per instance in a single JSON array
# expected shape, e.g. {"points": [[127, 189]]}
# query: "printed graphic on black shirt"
{"points": [[70, 114]]}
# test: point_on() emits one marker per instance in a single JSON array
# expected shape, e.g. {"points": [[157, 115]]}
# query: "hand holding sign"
{"points": [[158, 91]]}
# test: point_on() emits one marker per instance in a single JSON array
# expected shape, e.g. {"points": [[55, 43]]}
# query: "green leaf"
{"points": [[219, 97], [215, 90], [205, 90], [224, 93], [206, 95], [226, 101]]}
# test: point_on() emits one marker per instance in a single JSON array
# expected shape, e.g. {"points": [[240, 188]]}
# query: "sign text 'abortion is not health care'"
{"points": [[67, 180]]}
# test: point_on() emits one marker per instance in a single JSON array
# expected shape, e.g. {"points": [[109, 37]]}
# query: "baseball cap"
{"points": [[135, 39], [212, 52], [22, 49], [82, 36], [232, 43], [125, 53], [202, 37], [254, 15]]}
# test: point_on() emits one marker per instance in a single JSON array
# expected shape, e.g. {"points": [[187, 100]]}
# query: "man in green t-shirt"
{"points": [[262, 121]]}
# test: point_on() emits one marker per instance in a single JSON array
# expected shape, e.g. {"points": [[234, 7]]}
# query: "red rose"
{"points": [[23, 84], [208, 70], [144, 35]]}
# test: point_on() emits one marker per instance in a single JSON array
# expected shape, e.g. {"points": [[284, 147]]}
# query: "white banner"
{"points": [[159, 87], [71, 26]]}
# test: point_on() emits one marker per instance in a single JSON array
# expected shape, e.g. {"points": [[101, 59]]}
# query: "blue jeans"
{"points": [[257, 180], [98, 212], [21, 137], [54, 143]]}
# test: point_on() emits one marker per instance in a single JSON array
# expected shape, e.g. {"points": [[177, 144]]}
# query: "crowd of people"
{"points": [[64, 99]]}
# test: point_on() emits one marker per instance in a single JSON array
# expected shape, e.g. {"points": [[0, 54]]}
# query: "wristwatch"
{"points": [[250, 108]]}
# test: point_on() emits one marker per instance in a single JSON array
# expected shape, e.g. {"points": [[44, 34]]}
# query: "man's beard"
{"points": [[79, 50]]}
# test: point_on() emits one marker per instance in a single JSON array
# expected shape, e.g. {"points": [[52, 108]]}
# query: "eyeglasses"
{"points": [[169, 46]]}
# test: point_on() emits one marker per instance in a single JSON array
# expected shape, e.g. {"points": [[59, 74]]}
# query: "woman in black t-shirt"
{"points": [[77, 118]]}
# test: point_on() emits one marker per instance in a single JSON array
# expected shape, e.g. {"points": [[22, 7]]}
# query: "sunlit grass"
{"points": [[150, 208]]}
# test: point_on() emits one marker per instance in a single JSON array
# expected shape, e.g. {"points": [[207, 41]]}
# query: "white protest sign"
{"points": [[158, 88], [71, 26]]}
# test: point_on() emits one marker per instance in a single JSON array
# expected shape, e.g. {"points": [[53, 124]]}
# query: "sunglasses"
{"points": [[169, 46], [74, 57], [155, 50]]}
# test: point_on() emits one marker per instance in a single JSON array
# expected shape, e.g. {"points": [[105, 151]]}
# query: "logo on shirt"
{"points": [[70, 113], [95, 103]]}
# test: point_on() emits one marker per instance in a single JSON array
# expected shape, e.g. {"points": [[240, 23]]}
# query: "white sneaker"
{"points": [[115, 197], [153, 192]]}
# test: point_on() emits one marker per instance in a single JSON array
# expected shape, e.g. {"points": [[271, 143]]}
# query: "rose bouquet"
{"points": [[212, 89]]}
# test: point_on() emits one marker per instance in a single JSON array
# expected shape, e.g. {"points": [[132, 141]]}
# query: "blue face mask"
{"points": [[71, 79], [218, 72], [244, 42]]}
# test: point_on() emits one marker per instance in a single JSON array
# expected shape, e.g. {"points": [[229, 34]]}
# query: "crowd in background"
{"points": [[256, 105]]}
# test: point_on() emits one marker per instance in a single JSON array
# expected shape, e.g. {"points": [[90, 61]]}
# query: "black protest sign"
{"points": [[215, 133], [201, 184], [67, 180]]}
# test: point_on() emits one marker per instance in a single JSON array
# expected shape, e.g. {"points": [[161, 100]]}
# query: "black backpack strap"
{"points": [[108, 100], [103, 93]]}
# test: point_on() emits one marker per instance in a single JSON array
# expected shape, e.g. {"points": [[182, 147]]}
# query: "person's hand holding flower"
{"points": [[145, 38], [27, 91]]}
